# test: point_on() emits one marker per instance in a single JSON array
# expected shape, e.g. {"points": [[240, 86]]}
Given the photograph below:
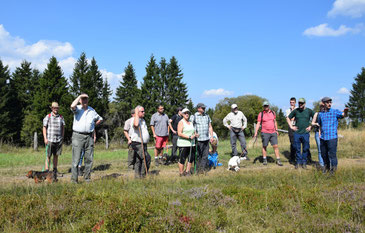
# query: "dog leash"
{"points": [[47, 160]]}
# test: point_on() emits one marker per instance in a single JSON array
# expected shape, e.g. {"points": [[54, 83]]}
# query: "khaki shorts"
{"points": [[269, 137], [54, 148]]}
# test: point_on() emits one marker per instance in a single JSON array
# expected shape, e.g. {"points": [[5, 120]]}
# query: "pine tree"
{"points": [[281, 120], [80, 76], [356, 102], [94, 87]]}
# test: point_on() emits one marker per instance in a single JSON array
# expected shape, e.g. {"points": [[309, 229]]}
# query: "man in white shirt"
{"points": [[292, 158], [237, 123], [127, 129], [85, 120]]}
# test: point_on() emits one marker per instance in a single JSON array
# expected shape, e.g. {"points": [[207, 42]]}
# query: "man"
{"points": [[292, 156], [139, 144], [160, 129], [85, 120], [301, 130], [328, 121], [237, 123], [127, 129], [269, 132], [203, 127], [53, 133], [174, 121]]}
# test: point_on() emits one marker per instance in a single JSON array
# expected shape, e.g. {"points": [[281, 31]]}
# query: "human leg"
{"points": [[298, 145], [233, 139], [88, 156], [332, 153], [77, 146], [318, 142]]}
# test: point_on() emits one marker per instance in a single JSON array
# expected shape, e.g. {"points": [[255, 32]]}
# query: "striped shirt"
{"points": [[201, 123], [328, 121], [54, 124]]}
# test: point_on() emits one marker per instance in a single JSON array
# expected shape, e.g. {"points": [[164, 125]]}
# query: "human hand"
{"points": [[346, 109], [45, 141], [129, 141], [294, 128], [308, 128]]}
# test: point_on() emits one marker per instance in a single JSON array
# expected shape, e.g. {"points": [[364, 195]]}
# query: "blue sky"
{"points": [[274, 49]]}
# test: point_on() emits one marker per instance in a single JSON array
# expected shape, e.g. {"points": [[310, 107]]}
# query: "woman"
{"points": [[185, 142], [318, 133]]}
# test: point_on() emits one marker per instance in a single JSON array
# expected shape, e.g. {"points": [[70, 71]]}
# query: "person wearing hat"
{"points": [[53, 133], [127, 128], [269, 132], [173, 123], [203, 127], [186, 142], [302, 116], [237, 123], [85, 120], [328, 121]]}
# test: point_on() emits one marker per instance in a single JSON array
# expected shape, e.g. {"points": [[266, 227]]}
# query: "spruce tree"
{"points": [[356, 102], [80, 76], [94, 87], [149, 92]]}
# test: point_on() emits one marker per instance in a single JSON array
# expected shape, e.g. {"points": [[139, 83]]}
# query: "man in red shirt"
{"points": [[269, 132]]}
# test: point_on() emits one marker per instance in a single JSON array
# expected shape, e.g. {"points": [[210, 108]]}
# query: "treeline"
{"points": [[27, 93]]}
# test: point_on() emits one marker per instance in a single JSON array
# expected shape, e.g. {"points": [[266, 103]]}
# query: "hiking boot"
{"points": [[333, 171], [304, 166], [278, 162], [55, 175], [296, 166], [264, 162], [157, 162]]}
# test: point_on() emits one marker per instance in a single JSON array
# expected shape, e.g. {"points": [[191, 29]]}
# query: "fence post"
{"points": [[35, 142], [106, 139]]}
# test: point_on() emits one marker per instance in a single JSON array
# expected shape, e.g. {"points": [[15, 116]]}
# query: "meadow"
{"points": [[256, 199]]}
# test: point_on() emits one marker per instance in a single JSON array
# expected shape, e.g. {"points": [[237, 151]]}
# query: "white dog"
{"points": [[234, 163]]}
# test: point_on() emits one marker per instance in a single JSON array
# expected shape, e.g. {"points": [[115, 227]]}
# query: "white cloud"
{"points": [[352, 8], [343, 90], [324, 30], [216, 92]]}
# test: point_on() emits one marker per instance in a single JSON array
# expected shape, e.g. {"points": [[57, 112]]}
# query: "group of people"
{"points": [[192, 135]]}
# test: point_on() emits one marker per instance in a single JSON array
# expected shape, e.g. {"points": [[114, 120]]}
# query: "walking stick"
{"points": [[144, 157], [196, 151]]}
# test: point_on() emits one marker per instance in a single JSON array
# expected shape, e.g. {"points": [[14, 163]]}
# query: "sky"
{"points": [[273, 49]]}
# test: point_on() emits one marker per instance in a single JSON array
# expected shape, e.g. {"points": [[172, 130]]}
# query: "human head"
{"points": [[321, 106], [185, 113], [266, 105], [178, 110], [160, 108], [140, 111], [132, 112], [234, 108], [200, 107], [84, 100], [327, 101], [55, 107], [301, 103], [293, 101]]}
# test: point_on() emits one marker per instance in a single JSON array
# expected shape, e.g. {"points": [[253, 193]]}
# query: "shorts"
{"points": [[161, 142], [269, 137], [185, 154], [54, 148]]}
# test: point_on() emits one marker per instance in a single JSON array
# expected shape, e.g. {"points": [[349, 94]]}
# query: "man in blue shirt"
{"points": [[328, 121]]}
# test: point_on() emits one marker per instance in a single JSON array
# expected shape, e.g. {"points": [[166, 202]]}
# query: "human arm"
{"points": [[276, 126], [45, 135], [170, 125], [136, 118], [244, 120], [94, 136], [288, 120], [153, 131], [345, 112], [76, 101], [210, 131], [180, 127], [314, 120], [225, 122], [257, 128], [127, 136]]}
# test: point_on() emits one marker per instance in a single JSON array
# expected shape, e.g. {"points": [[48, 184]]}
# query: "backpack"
{"points": [[49, 117]]}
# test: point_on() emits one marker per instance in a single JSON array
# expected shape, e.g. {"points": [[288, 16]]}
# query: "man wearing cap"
{"points": [[203, 127], [302, 116], [237, 123], [85, 120], [328, 121], [53, 133], [269, 132], [173, 123], [127, 128], [160, 129], [292, 156]]}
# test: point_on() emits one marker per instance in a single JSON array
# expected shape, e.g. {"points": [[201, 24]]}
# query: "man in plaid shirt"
{"points": [[53, 132], [328, 121], [204, 129]]}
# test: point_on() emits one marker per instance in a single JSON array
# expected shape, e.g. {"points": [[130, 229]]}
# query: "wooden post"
{"points": [[35, 142], [106, 139]]}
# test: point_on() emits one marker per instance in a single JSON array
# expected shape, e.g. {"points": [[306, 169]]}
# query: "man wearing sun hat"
{"points": [[301, 130], [85, 120], [53, 133], [237, 123], [328, 121]]}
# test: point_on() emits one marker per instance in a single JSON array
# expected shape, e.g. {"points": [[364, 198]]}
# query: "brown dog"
{"points": [[41, 176]]}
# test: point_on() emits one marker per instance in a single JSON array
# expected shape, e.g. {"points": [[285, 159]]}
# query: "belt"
{"points": [[83, 133]]}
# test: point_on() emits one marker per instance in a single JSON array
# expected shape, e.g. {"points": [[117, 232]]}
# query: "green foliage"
{"points": [[356, 102], [80, 76], [31, 124], [281, 120]]}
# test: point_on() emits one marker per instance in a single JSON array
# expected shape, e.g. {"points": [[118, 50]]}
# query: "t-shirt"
{"points": [[161, 124], [175, 121], [268, 121], [302, 119]]}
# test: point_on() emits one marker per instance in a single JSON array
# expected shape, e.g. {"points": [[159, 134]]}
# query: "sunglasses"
{"points": [[301, 103], [186, 113], [141, 111], [328, 102]]}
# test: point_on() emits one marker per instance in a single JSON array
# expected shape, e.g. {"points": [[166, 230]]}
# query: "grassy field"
{"points": [[256, 199]]}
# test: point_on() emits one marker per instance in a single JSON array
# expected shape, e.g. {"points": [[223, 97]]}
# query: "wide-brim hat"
{"points": [[54, 105]]}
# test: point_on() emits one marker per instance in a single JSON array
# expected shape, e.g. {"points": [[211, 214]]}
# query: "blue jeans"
{"points": [[318, 142], [299, 140], [329, 150]]}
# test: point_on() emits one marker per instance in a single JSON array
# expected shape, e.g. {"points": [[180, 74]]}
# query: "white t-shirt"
{"points": [[134, 133]]}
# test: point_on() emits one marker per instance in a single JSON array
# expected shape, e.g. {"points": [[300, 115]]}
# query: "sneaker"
{"points": [[87, 180], [264, 162], [278, 162]]}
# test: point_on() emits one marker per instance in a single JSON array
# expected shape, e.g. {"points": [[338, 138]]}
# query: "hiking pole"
{"points": [[144, 157], [196, 151]]}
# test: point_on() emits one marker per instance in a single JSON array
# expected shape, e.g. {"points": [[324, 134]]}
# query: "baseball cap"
{"points": [[233, 106], [200, 105], [301, 100], [325, 99], [265, 103], [185, 110]]}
